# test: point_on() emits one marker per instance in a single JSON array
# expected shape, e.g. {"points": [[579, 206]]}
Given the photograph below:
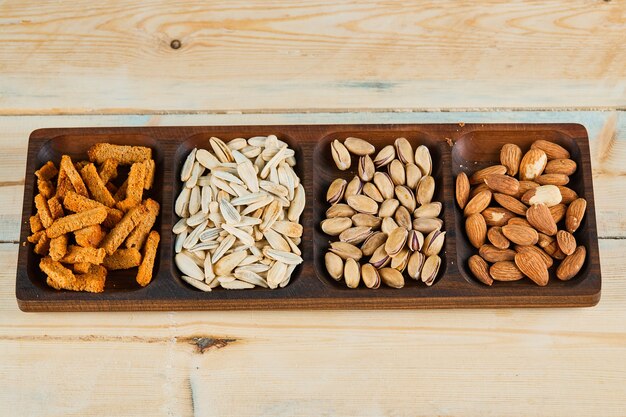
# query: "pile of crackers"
{"points": [[86, 226]]}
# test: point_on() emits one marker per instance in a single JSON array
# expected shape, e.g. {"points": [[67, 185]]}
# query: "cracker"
{"points": [[45, 188], [47, 171], [77, 182], [139, 234], [43, 211], [58, 276], [108, 170], [122, 259], [96, 187], [55, 207], [90, 236], [123, 154], [42, 247], [35, 223], [149, 176], [76, 221], [58, 247], [134, 189], [81, 267], [78, 203], [77, 254], [118, 234], [144, 275]]}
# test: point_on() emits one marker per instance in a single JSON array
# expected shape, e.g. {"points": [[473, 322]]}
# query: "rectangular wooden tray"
{"points": [[454, 147]]}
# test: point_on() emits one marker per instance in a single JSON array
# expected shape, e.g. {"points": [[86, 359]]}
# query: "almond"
{"points": [[497, 216], [532, 164], [480, 269], [462, 189], [533, 266], [480, 175], [478, 189], [492, 254], [505, 271], [545, 240], [575, 213], [572, 264], [476, 229], [510, 157], [552, 179], [502, 184], [525, 186], [551, 149], [520, 221], [497, 238], [511, 203], [538, 215], [478, 203], [560, 166], [549, 195], [558, 212], [566, 242], [520, 235], [547, 259], [567, 194]]}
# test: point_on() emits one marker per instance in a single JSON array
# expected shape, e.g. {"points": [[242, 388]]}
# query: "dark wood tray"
{"points": [[453, 146]]}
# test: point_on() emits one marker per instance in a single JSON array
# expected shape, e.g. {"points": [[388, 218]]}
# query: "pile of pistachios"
{"points": [[384, 218]]}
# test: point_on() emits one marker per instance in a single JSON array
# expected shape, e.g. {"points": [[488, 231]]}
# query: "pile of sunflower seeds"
{"points": [[385, 213], [239, 211]]}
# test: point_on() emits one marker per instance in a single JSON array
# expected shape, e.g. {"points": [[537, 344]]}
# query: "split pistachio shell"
{"points": [[336, 190], [340, 155], [430, 269], [366, 168], [385, 156]]}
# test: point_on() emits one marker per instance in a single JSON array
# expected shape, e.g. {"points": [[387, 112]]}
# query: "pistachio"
{"points": [[334, 265], [335, 225], [340, 155], [396, 240], [366, 168], [425, 189], [346, 250], [336, 190], [406, 197], [430, 210], [415, 264], [352, 273], [372, 192], [372, 242], [355, 235], [384, 184], [379, 258], [400, 260], [433, 242], [340, 210], [359, 146], [370, 276], [430, 269], [413, 175], [391, 277], [423, 160], [385, 156], [404, 150], [415, 240], [354, 187], [388, 208], [403, 218], [388, 225], [363, 204], [362, 219], [396, 172]]}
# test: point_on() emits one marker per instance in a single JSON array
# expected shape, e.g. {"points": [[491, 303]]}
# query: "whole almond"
{"points": [[552, 150], [462, 189], [549, 195], [545, 240], [476, 229], [575, 213], [340, 155], [352, 273], [533, 266], [480, 269], [478, 189], [370, 276], [547, 259], [497, 238], [391, 277], [477, 204], [567, 194], [492, 254], [525, 186], [561, 166], [480, 175], [532, 164], [572, 264], [538, 215], [359, 147], [558, 212], [520, 221], [505, 271], [520, 235], [502, 184], [497, 216], [511, 203], [566, 242], [510, 157], [552, 179]]}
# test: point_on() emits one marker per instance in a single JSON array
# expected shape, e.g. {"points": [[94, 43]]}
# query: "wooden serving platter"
{"points": [[454, 147]]}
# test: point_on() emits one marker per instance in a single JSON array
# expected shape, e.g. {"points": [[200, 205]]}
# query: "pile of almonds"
{"points": [[383, 213], [239, 210], [522, 225]]}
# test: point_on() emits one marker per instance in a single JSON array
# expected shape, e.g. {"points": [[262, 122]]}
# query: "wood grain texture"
{"points": [[262, 56], [311, 286]]}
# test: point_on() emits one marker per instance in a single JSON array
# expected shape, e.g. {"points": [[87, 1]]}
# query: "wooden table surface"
{"points": [[125, 63]]}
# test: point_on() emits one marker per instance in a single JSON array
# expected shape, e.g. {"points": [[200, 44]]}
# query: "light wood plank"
{"points": [[255, 55], [607, 133], [557, 362]]}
